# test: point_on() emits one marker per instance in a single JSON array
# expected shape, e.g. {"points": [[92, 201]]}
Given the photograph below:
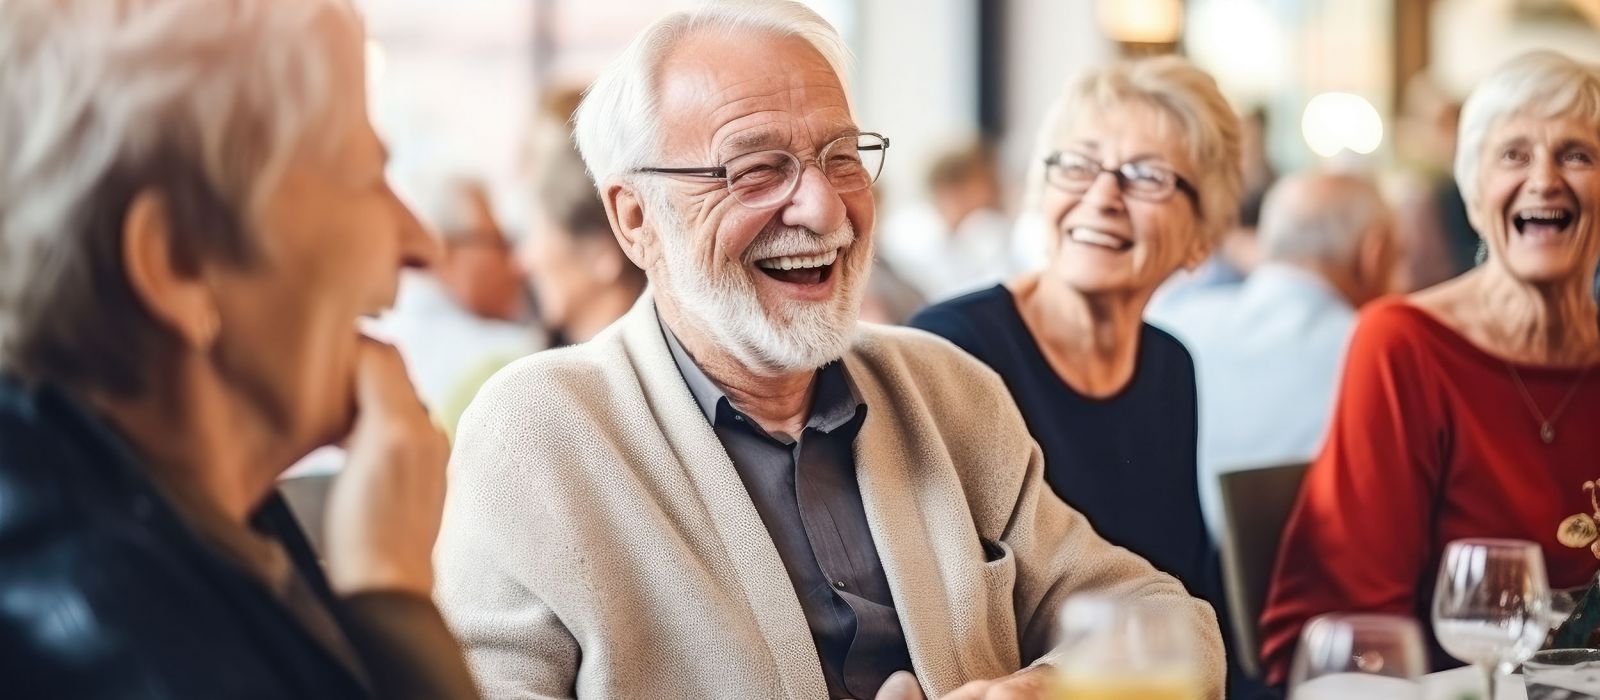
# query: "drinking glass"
{"points": [[1563, 674], [1491, 607], [1376, 657], [1125, 650]]}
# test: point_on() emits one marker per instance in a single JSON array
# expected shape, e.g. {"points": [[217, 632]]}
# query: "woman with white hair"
{"points": [[1468, 409], [1136, 175], [193, 216]]}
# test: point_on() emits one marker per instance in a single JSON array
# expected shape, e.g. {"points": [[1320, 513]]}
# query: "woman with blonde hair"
{"points": [[1136, 175]]}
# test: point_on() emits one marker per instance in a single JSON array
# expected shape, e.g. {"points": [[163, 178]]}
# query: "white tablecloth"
{"points": [[1457, 684], [1467, 682]]}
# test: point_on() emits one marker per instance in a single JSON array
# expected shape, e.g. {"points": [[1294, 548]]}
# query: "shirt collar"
{"points": [[834, 402]]}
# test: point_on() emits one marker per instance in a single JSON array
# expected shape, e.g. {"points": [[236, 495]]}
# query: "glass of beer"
{"points": [[1125, 650]]}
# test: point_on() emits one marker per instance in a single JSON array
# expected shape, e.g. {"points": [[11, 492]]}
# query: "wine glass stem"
{"points": [[1492, 676]]}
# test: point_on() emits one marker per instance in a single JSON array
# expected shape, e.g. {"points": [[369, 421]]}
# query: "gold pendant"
{"points": [[1547, 433], [1578, 531]]}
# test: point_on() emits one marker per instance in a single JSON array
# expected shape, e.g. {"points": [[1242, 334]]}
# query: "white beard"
{"points": [[722, 303]]}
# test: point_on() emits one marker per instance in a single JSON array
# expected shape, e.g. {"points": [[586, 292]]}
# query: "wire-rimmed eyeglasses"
{"points": [[767, 179], [1142, 178]]}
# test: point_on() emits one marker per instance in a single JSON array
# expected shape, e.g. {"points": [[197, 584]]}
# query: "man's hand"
{"points": [[1027, 684], [384, 509]]}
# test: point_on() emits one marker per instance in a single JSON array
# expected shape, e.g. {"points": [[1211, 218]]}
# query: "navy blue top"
{"points": [[1128, 461]]}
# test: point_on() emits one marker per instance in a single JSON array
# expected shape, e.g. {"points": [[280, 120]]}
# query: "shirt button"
{"points": [[839, 585]]}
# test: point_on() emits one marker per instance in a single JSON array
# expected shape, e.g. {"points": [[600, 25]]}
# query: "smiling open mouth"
{"points": [[800, 269], [1542, 222], [1098, 239]]}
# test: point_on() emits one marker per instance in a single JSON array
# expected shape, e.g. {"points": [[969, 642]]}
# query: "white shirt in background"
{"points": [[442, 343], [942, 265], [1268, 353]]}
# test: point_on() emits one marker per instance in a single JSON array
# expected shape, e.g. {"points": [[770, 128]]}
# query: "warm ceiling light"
{"points": [[1335, 122], [1142, 21]]}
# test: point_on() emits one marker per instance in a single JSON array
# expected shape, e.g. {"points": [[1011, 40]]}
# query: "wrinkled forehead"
{"points": [[725, 94]]}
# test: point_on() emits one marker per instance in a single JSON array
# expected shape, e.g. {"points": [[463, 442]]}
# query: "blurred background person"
{"points": [[1438, 240], [580, 277], [957, 240], [576, 273], [469, 307], [1268, 352], [1467, 409], [1135, 176], [193, 218], [1236, 252]]}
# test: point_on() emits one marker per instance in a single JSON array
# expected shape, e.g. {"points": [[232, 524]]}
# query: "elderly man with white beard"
{"points": [[736, 491]]}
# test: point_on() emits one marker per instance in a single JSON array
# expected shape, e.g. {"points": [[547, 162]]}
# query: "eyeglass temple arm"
{"points": [[701, 172]]}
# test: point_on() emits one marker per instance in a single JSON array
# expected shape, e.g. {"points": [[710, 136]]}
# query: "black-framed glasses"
{"points": [[769, 178], [1143, 179]]}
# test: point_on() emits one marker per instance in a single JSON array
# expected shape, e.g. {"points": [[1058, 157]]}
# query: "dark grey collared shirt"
{"points": [[805, 490]]}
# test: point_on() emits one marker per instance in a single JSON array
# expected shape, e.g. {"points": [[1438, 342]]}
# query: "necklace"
{"points": [[1547, 428]]}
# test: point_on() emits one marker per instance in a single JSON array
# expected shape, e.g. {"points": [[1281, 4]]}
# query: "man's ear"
{"points": [[1377, 257], [630, 222], [177, 298]]}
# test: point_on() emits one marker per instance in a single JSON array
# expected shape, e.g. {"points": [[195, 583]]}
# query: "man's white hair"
{"points": [[618, 124], [101, 98], [1319, 216], [1542, 84]]}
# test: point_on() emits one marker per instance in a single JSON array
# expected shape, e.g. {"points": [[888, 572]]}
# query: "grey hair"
{"points": [[618, 127], [204, 101], [1181, 91], [1319, 216], [1538, 84]]}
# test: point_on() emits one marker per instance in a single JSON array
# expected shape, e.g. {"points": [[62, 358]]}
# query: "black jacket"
{"points": [[106, 593]]}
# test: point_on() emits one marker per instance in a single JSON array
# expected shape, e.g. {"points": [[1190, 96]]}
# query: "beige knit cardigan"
{"points": [[597, 542]]}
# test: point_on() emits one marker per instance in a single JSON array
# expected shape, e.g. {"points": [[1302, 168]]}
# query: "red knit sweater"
{"points": [[1431, 441]]}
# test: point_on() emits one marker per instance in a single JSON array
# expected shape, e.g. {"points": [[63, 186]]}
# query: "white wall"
{"points": [[1046, 42], [1473, 37], [916, 82], [451, 94]]}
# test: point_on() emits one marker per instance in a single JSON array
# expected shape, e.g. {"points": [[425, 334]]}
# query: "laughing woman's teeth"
{"points": [[1541, 220]]}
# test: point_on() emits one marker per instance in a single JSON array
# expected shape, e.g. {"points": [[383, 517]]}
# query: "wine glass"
{"points": [[1491, 607], [1117, 649], [1377, 657]]}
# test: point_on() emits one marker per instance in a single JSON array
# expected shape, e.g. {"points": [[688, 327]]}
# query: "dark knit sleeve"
{"points": [[405, 645]]}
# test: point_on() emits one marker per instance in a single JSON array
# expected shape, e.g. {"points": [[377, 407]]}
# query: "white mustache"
{"points": [[783, 241]]}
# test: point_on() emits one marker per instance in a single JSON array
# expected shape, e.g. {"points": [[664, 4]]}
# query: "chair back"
{"points": [[1256, 504], [308, 500]]}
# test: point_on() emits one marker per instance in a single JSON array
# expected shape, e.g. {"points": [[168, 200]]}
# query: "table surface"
{"points": [[1467, 682], [1456, 684]]}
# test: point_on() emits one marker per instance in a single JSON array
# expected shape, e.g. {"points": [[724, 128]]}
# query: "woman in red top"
{"points": [[1471, 408]]}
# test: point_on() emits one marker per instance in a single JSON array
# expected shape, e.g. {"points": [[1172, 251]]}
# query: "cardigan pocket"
{"points": [[999, 581]]}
